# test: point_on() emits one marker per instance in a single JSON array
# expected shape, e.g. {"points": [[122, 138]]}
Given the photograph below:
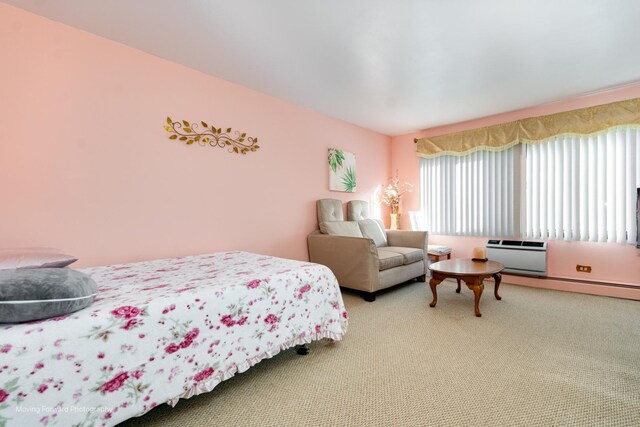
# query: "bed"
{"points": [[160, 331]]}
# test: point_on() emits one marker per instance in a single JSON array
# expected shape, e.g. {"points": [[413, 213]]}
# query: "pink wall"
{"points": [[610, 262], [86, 166]]}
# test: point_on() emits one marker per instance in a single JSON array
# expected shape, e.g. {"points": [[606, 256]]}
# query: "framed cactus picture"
{"points": [[342, 171]]}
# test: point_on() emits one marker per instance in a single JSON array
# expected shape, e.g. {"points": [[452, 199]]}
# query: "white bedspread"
{"points": [[162, 330]]}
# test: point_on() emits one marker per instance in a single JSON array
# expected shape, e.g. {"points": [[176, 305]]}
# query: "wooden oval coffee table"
{"points": [[471, 272]]}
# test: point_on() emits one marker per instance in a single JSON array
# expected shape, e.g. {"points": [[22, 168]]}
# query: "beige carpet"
{"points": [[536, 358]]}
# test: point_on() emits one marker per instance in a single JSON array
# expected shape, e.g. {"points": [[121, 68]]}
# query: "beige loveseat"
{"points": [[361, 253]]}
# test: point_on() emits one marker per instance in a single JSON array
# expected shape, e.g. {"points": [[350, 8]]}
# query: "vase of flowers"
{"points": [[391, 196]]}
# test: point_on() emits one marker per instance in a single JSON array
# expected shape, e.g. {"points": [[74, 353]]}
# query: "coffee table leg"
{"points": [[477, 291], [498, 278], [432, 284], [458, 290]]}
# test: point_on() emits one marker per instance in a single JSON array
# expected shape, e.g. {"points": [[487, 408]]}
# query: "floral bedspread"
{"points": [[159, 331]]}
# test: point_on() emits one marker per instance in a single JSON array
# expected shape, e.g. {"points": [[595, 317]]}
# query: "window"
{"points": [[472, 195], [566, 187], [583, 187]]}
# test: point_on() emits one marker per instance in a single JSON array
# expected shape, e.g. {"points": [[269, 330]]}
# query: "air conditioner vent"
{"points": [[533, 244], [519, 257]]}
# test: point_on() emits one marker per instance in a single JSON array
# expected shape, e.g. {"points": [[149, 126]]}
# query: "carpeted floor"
{"points": [[536, 358]]}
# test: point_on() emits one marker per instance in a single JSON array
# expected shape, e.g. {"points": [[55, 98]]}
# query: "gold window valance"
{"points": [[500, 137]]}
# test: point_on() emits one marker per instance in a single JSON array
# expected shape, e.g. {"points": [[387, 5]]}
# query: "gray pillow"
{"points": [[34, 258], [40, 293], [341, 228], [374, 229]]}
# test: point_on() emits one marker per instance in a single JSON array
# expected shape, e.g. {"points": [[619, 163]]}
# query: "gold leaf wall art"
{"points": [[204, 134]]}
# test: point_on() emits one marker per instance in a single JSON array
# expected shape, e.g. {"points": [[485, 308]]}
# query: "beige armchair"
{"points": [[361, 253]]}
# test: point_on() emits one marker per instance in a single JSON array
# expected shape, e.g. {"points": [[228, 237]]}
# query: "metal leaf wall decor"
{"points": [[240, 143]]}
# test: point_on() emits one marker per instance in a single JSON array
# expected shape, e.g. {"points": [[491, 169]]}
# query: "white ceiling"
{"points": [[390, 66]]}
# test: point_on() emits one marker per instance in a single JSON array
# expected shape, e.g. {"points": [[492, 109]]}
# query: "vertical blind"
{"points": [[567, 187], [472, 195], [583, 187]]}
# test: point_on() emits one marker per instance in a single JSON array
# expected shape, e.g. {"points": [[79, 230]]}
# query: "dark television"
{"points": [[638, 220]]}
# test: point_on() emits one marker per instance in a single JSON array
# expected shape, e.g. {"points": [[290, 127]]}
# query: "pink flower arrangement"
{"points": [[115, 383], [204, 374], [393, 192], [126, 311]]}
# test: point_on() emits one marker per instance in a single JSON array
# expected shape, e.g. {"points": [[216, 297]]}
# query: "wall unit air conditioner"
{"points": [[522, 257]]}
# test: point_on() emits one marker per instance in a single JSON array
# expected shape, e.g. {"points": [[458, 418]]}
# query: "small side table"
{"points": [[435, 252]]}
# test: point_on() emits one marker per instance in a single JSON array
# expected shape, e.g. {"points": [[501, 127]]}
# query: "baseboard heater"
{"points": [[522, 257]]}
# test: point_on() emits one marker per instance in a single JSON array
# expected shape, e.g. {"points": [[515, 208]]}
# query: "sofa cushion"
{"points": [[341, 228], [357, 210], [409, 255], [374, 229], [329, 210], [389, 259]]}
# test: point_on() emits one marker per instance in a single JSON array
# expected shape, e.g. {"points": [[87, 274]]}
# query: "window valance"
{"points": [[534, 129]]}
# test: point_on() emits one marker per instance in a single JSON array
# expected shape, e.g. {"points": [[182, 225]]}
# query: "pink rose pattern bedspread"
{"points": [[159, 331]]}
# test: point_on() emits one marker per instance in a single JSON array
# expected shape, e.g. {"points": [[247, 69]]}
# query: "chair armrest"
{"points": [[408, 239], [353, 260]]}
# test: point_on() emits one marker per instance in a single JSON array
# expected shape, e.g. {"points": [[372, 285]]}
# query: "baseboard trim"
{"points": [[617, 290], [594, 282]]}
